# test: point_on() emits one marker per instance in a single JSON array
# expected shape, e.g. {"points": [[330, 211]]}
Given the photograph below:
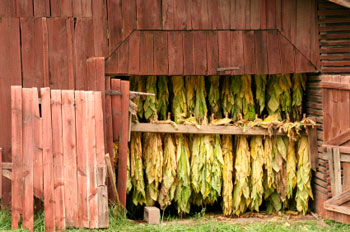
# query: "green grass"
{"points": [[199, 223]]}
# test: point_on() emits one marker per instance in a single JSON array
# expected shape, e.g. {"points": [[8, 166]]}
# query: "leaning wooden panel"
{"points": [[28, 154], [38, 148], [17, 186], [70, 159], [90, 139], [123, 143], [102, 193], [49, 196], [81, 131], [57, 150]]}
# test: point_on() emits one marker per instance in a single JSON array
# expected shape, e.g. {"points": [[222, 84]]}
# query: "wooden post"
{"points": [[313, 150], [331, 168], [1, 172], [337, 172], [123, 142]]}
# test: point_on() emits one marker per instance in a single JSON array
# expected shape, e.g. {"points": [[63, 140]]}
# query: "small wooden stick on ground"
{"points": [[112, 177]]}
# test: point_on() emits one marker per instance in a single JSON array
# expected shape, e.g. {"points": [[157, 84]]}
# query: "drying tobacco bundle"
{"points": [[227, 174], [214, 96], [260, 86], [291, 169], [150, 105], [136, 169], [299, 87], [167, 191], [241, 193], [197, 169], [162, 97], [304, 191], [128, 179], [153, 160], [286, 97], [179, 100], [228, 98], [273, 92], [257, 158], [200, 109], [190, 89], [280, 147], [236, 88], [248, 106], [183, 188]]}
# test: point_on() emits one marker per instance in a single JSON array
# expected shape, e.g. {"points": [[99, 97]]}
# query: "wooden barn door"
{"points": [[336, 132]]}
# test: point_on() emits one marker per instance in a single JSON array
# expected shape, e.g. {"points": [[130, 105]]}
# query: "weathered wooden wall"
{"points": [[334, 27]]}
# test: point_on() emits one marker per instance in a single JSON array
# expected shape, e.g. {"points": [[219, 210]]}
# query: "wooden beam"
{"points": [[337, 172], [340, 139], [343, 158], [338, 209], [334, 85], [313, 150], [331, 168], [190, 129]]}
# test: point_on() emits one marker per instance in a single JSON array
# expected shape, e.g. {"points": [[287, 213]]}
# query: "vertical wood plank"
{"points": [[223, 15], [28, 153], [237, 52], [273, 52], [61, 8], [239, 19], [313, 152], [168, 14], [82, 8], [261, 65], [101, 171], [263, 14], [148, 14], [188, 53], [109, 128], [8, 8], [255, 14], [287, 55], [224, 41], [176, 53], [123, 145], [16, 140], [289, 11], [249, 53], [91, 160], [337, 172], [123, 58], [199, 12], [57, 31], [41, 8], [49, 196], [99, 20], [70, 159], [25, 8], [134, 53], [81, 130], [116, 109], [161, 53], [32, 53], [271, 14], [45, 52], [304, 27], [70, 53], [115, 23], [331, 169], [213, 52], [10, 66], [84, 49], [213, 13], [90, 81], [58, 160], [129, 17], [37, 148], [200, 54], [302, 64], [279, 14], [146, 53], [182, 15]]}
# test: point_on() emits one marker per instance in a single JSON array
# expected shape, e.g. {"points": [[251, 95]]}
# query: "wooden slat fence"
{"points": [[58, 156]]}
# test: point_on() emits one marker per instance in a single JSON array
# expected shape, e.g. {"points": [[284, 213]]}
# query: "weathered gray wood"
{"points": [[331, 168], [102, 206], [190, 129], [345, 158], [338, 209], [337, 172]]}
